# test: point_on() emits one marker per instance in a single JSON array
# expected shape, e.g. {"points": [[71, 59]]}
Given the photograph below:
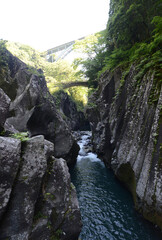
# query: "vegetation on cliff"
{"points": [[56, 73], [93, 52], [126, 121], [133, 34], [3, 58]]}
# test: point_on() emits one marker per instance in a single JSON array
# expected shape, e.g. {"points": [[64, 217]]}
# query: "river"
{"points": [[107, 208]]}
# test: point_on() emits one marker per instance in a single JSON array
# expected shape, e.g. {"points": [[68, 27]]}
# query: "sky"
{"points": [[44, 24]]}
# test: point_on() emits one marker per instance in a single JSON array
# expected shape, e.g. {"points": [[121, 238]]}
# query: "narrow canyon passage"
{"points": [[107, 208]]}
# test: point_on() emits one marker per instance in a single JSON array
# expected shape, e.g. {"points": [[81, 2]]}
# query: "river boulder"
{"points": [[39, 201], [10, 150]]}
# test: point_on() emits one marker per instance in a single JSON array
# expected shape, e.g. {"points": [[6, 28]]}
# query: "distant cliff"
{"points": [[125, 117]]}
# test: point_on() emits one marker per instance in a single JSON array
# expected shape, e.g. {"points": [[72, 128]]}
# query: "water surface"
{"points": [[107, 208]]}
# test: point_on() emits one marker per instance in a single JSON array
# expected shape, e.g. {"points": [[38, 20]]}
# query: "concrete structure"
{"points": [[61, 51]]}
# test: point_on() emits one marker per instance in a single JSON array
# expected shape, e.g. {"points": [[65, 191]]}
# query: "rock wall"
{"points": [[37, 199], [32, 108], [75, 119], [125, 117]]}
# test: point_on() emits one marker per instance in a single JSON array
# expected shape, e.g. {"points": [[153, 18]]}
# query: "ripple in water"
{"points": [[106, 206]]}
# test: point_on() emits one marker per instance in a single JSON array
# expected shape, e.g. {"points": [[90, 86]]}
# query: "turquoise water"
{"points": [[106, 206]]}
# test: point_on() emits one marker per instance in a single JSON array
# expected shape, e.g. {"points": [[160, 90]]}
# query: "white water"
{"points": [[83, 154]]}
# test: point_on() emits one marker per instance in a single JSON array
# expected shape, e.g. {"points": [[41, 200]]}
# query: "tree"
{"points": [[130, 28], [92, 50]]}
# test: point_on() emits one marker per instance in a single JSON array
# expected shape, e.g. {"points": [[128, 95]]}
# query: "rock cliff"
{"points": [[33, 108], [37, 199], [125, 117], [74, 118]]}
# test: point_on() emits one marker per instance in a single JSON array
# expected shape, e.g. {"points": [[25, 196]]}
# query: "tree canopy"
{"points": [[92, 50], [132, 26], [133, 33]]}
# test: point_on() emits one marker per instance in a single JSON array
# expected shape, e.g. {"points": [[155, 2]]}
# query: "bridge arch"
{"points": [[73, 84]]}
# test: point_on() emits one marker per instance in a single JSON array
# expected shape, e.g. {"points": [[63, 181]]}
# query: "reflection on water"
{"points": [[106, 207]]}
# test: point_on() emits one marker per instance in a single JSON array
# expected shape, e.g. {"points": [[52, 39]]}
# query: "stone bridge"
{"points": [[73, 84]]}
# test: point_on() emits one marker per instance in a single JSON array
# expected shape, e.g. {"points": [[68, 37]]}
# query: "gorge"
{"points": [[38, 138]]}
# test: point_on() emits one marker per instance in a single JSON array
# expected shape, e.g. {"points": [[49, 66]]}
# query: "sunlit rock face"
{"points": [[38, 200], [32, 108], [125, 118]]}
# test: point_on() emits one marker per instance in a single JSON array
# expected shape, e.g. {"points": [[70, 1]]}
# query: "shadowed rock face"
{"points": [[32, 108], [127, 132], [75, 119], [38, 200], [4, 108], [9, 160]]}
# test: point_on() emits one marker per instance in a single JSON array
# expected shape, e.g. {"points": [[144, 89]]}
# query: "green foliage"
{"points": [[79, 95], [91, 105], [56, 235], [60, 72], [56, 73], [130, 21], [2, 133], [133, 31], [133, 34], [22, 136], [3, 57], [92, 50]]}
